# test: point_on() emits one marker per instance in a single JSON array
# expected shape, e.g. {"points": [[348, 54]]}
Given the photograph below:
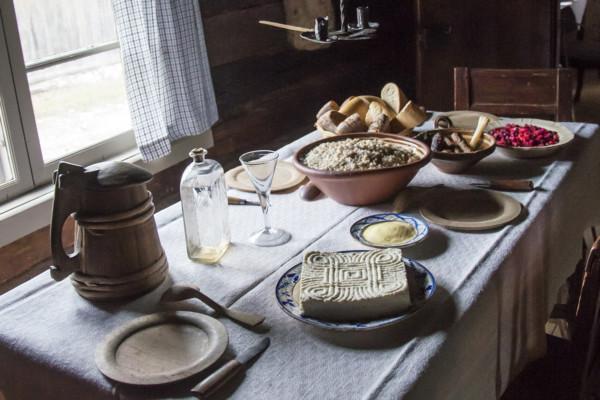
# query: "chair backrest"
{"points": [[515, 92], [588, 294], [587, 329]]}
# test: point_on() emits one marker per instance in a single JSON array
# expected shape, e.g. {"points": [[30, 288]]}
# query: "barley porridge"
{"points": [[358, 155]]}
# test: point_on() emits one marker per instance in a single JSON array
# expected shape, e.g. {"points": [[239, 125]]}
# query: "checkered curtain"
{"points": [[167, 73]]}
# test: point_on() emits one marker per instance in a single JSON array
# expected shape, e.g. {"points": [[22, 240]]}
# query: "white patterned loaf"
{"points": [[353, 286]]}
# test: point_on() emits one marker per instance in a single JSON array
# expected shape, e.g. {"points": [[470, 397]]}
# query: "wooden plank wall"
{"points": [[267, 93]]}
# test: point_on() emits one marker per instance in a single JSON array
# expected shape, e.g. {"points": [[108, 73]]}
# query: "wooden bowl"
{"points": [[359, 188], [456, 163], [565, 136]]}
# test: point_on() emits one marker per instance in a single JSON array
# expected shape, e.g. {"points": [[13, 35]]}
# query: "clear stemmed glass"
{"points": [[260, 166]]}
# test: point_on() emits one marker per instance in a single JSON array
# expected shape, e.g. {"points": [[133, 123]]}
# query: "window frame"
{"points": [[12, 127], [31, 161]]}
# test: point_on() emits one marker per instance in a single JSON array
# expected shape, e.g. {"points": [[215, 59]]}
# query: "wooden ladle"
{"points": [[287, 27], [185, 292]]}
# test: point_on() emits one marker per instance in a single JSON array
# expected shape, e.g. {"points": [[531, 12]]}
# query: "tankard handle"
{"points": [[67, 184]]}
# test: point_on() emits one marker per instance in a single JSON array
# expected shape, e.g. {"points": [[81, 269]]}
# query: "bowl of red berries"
{"points": [[529, 138]]}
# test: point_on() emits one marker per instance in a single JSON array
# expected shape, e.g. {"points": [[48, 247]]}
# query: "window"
{"points": [[62, 95]]}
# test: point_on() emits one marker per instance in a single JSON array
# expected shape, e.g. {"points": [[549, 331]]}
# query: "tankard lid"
{"points": [[117, 173]]}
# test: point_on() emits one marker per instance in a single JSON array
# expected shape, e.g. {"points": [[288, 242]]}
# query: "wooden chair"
{"points": [[515, 92], [580, 48], [588, 324], [570, 366]]}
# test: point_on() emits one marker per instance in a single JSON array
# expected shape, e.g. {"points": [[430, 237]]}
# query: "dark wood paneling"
{"points": [[211, 8], [250, 38], [30, 255], [480, 34], [538, 93]]}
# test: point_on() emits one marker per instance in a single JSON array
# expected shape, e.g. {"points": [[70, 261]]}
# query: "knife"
{"points": [[511, 185], [236, 201], [218, 378]]}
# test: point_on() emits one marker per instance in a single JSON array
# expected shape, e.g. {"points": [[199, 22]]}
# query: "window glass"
{"points": [[74, 72], [7, 172]]}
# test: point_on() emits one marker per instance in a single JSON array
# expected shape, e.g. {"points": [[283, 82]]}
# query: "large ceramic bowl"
{"points": [[326, 133], [359, 188], [565, 136], [456, 163]]}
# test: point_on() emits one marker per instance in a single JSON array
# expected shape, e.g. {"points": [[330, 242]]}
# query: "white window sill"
{"points": [[33, 210]]}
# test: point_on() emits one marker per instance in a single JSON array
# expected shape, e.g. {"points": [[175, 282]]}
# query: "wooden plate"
{"points": [[286, 177], [161, 348], [470, 210], [466, 119]]}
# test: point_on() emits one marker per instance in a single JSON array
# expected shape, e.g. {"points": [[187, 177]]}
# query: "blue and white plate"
{"points": [[422, 291], [357, 229]]}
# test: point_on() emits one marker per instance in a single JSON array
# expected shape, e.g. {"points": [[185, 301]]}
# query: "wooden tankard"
{"points": [[117, 249]]}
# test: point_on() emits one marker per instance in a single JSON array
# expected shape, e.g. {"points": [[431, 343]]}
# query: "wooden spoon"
{"points": [[185, 292], [476, 138]]}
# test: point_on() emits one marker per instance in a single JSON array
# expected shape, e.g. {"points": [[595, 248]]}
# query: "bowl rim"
{"points": [[532, 121], [439, 155], [324, 173]]}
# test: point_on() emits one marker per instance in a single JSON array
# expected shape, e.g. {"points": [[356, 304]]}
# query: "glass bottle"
{"points": [[204, 204]]}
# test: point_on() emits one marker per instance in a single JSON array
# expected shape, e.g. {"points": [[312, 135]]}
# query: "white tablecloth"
{"points": [[484, 323]]}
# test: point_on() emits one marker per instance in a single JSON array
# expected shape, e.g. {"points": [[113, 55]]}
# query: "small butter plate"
{"points": [[287, 292], [421, 229]]}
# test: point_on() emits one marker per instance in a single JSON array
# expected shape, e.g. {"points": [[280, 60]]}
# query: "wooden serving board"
{"points": [[161, 348], [286, 177]]}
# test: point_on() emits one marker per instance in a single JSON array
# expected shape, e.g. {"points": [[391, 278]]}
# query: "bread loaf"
{"points": [[330, 120], [379, 124], [375, 110], [384, 106], [394, 96], [411, 115], [396, 126], [351, 124], [356, 105], [329, 106], [348, 100]]}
